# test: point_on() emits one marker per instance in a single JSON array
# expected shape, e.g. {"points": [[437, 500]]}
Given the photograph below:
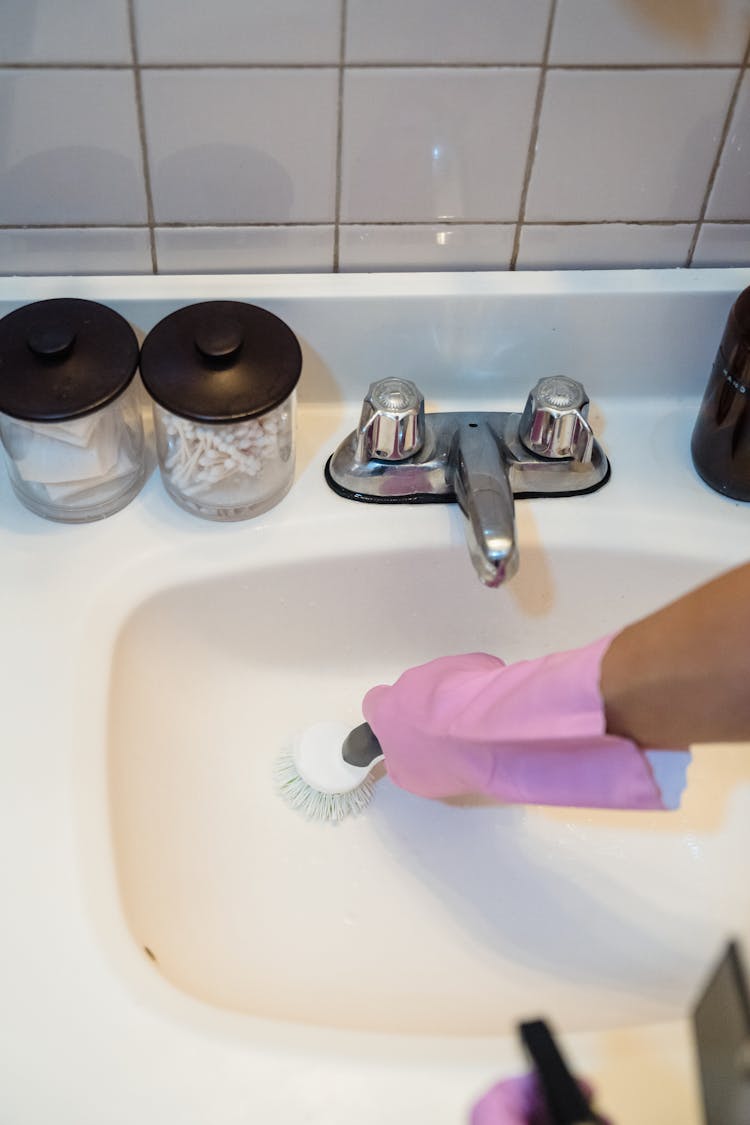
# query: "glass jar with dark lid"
{"points": [[222, 376], [70, 418]]}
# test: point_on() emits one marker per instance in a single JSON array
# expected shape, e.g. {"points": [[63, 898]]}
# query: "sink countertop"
{"points": [[91, 1031]]}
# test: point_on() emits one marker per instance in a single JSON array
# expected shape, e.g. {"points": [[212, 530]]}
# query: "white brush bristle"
{"points": [[315, 780], [314, 804]]}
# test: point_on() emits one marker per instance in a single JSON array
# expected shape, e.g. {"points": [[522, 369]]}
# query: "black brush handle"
{"points": [[566, 1103], [361, 747]]}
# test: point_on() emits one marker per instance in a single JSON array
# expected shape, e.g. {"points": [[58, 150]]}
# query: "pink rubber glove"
{"points": [[527, 733], [516, 1101]]}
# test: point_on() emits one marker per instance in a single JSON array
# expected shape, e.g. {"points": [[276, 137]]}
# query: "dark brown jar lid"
{"points": [[220, 361], [63, 358]]}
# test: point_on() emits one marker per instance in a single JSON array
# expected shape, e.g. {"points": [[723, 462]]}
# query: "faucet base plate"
{"points": [[449, 497]]}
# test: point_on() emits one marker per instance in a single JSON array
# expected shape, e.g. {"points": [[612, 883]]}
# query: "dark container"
{"points": [[721, 438]]}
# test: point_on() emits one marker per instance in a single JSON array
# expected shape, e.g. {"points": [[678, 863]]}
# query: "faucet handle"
{"points": [[391, 425], [554, 422]]}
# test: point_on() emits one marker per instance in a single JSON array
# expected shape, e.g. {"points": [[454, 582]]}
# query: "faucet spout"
{"points": [[479, 476]]}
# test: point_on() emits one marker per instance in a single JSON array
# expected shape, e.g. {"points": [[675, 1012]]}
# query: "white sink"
{"points": [[182, 945], [420, 917]]}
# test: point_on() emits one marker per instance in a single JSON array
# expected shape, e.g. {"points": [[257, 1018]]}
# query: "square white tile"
{"points": [[67, 31], [242, 146], [604, 246], [435, 246], [730, 195], [430, 31], [70, 148], [235, 31], [649, 31], [723, 244], [627, 145], [244, 249], [435, 144], [70, 250]]}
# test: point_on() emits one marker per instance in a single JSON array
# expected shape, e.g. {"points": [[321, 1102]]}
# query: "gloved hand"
{"points": [[532, 732], [516, 1101]]}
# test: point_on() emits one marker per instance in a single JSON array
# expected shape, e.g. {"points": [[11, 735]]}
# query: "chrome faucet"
{"points": [[399, 454]]}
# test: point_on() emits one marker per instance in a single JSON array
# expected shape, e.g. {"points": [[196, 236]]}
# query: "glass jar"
{"points": [[222, 376], [70, 412]]}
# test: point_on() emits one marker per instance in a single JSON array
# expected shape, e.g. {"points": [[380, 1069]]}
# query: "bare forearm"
{"points": [[682, 675]]}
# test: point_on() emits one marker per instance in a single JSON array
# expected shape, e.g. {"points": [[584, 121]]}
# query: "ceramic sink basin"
{"points": [[421, 917]]}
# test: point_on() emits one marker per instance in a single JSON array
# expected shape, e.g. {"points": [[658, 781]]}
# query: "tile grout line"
{"points": [[385, 65], [140, 114], [533, 137], [719, 154], [339, 140], [241, 223]]}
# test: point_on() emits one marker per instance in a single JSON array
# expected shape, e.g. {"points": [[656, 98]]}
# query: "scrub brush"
{"points": [[326, 772]]}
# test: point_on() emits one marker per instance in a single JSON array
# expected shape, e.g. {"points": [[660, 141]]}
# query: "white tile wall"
{"points": [[429, 246], [63, 31], [604, 245], [725, 244], [421, 31], [731, 191], [73, 250], [614, 32], [243, 249], [238, 31], [352, 134], [69, 148], [629, 144], [435, 144], [249, 145]]}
